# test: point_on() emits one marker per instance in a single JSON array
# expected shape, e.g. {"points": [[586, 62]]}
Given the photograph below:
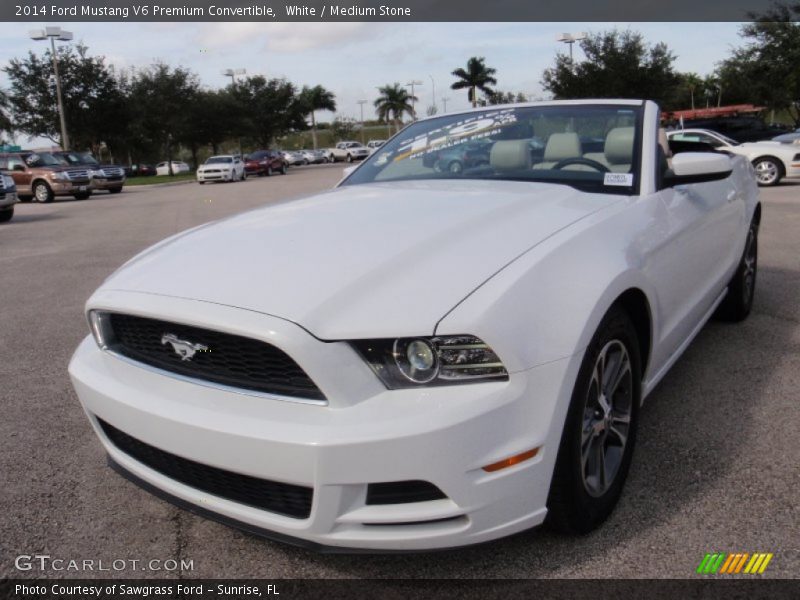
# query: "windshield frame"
{"points": [[637, 107]]}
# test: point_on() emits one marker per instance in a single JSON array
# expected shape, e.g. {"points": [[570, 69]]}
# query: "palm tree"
{"points": [[313, 99], [394, 101], [476, 77]]}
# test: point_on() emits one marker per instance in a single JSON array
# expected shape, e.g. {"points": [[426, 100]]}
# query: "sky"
{"points": [[354, 59]]}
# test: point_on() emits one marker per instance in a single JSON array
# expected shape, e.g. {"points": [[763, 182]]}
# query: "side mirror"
{"points": [[698, 167]]}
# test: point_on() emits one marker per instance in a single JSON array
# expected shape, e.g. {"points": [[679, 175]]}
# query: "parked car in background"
{"points": [[225, 167], [140, 170], [788, 138], [162, 168], [42, 176], [349, 151], [264, 162], [373, 145], [461, 156], [8, 197], [420, 359], [772, 160], [292, 158], [327, 154], [312, 157], [104, 176]]}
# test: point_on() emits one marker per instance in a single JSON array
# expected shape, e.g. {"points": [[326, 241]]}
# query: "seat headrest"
{"points": [[619, 146], [510, 155], [561, 146]]}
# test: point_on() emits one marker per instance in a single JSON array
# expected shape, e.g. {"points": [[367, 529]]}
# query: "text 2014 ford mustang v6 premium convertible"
{"points": [[422, 358]]}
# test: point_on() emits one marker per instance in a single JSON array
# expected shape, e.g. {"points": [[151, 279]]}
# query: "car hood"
{"points": [[361, 261]]}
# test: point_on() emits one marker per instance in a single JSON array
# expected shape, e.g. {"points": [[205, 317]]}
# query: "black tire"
{"points": [[769, 171], [201, 182], [577, 502], [115, 190], [455, 167], [42, 192], [6, 214], [349, 158], [24, 198], [269, 171], [82, 195], [738, 302], [283, 169]]}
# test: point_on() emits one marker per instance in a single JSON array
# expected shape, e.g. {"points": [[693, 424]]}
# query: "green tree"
{"points": [[617, 65], [94, 106], [343, 128], [477, 76], [215, 117], [269, 108], [766, 70], [314, 99], [500, 97], [5, 119], [159, 97], [392, 103]]}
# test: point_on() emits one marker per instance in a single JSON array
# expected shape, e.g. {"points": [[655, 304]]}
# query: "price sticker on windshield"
{"points": [[619, 179]]}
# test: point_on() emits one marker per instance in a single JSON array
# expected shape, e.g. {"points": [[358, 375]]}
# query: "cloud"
{"points": [[284, 37]]}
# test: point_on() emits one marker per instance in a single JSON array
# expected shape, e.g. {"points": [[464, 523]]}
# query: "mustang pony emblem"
{"points": [[186, 350]]}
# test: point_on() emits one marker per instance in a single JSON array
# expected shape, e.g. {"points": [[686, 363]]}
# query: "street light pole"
{"points": [[444, 102], [362, 103], [433, 91], [570, 39], [413, 99], [63, 36], [232, 73]]}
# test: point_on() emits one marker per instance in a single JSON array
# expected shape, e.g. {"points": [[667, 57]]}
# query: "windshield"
{"points": [[41, 159], [78, 158], [591, 147], [219, 159]]}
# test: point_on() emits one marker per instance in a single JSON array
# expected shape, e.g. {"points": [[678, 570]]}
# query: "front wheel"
{"points": [[42, 192], [600, 429], [283, 169], [738, 302], [82, 195], [349, 158], [5, 215], [115, 190], [768, 171]]}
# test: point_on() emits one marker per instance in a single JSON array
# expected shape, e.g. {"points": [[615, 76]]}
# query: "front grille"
{"points": [[281, 498], [78, 174], [402, 492], [112, 172], [216, 357]]}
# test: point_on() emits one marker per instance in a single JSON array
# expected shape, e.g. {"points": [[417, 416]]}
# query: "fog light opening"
{"points": [[511, 460]]}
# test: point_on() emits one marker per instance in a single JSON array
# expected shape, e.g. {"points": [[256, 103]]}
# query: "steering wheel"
{"points": [[578, 160]]}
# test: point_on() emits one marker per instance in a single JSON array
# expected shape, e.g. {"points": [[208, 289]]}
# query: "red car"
{"points": [[264, 162]]}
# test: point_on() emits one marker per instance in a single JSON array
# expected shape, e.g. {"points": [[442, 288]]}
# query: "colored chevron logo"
{"points": [[720, 563]]}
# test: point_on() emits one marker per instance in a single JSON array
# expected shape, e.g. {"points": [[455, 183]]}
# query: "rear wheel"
{"points": [[600, 429], [738, 302], [5, 215], [42, 192]]}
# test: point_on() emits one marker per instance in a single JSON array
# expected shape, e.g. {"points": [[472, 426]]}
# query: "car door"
{"points": [[21, 173], [698, 253]]}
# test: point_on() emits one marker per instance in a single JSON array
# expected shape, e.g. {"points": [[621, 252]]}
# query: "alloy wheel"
{"points": [[606, 418], [766, 172]]}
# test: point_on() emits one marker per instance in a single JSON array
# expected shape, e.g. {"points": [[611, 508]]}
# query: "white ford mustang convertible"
{"points": [[423, 357]]}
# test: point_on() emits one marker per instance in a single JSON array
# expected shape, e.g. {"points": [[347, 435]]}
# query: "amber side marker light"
{"points": [[511, 461]]}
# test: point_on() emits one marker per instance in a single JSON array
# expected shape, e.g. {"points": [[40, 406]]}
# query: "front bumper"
{"points": [[366, 434], [108, 183], [8, 198], [68, 188], [215, 176]]}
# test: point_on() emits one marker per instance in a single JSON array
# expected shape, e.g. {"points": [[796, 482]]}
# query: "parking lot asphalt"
{"points": [[715, 469]]}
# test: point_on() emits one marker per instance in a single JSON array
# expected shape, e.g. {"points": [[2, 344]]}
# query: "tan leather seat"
{"points": [[510, 155], [617, 153], [560, 146]]}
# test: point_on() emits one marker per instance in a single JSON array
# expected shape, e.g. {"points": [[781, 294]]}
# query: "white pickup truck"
{"points": [[349, 151]]}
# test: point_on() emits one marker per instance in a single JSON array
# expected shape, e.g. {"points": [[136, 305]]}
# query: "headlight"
{"points": [[60, 175], [441, 360], [100, 324], [8, 182]]}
